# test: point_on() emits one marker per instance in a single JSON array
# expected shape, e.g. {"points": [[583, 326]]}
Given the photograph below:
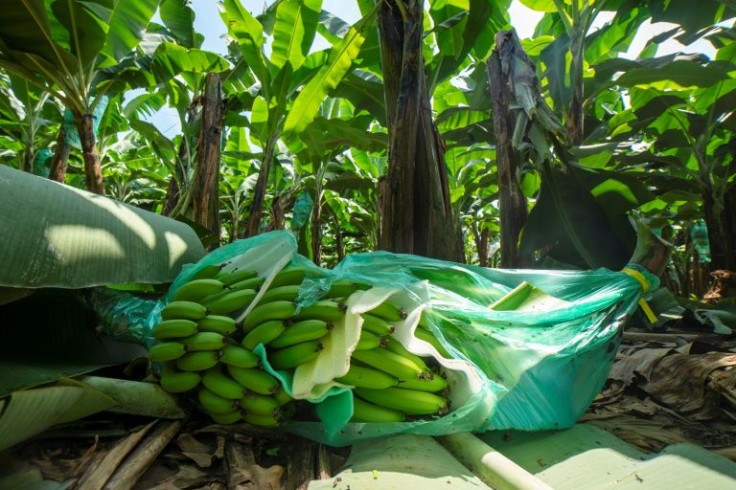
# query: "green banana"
{"points": [[198, 289], [174, 329], [434, 383], [183, 309], [232, 276], [295, 355], [302, 331], [288, 276], [263, 334], [263, 420], [223, 385], [227, 418], [255, 380], [343, 289], [281, 293], [234, 355], [229, 302], [204, 341], [397, 348], [429, 337], [365, 377], [282, 397], [197, 361], [221, 324], [368, 340], [166, 351], [411, 402], [377, 325], [364, 411], [214, 403], [252, 283], [389, 362], [325, 309], [275, 310], [207, 272], [262, 404], [389, 312], [175, 381]]}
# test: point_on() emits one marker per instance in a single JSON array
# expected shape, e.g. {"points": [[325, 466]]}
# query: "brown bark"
{"points": [[401, 60], [28, 160], [259, 193], [205, 202], [415, 212], [57, 169], [172, 196], [278, 221], [92, 168], [512, 202], [483, 247]]}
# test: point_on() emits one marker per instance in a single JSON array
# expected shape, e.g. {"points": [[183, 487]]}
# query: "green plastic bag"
{"points": [[534, 368]]}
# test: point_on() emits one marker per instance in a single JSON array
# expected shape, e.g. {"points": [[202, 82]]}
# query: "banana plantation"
{"points": [[372, 233]]}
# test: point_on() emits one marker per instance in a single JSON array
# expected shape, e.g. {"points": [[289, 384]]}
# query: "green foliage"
{"points": [[657, 129]]}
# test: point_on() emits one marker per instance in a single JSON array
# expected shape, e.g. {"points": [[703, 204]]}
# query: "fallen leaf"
{"points": [[197, 451], [188, 476], [681, 382], [257, 477]]}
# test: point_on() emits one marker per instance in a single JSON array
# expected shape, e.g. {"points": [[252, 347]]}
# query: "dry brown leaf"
{"points": [[197, 451], [680, 381], [639, 362], [220, 449], [187, 476], [724, 382], [644, 434], [57, 465], [257, 478]]}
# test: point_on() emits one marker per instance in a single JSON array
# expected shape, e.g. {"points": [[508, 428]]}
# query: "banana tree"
{"points": [[61, 46], [292, 83], [680, 129], [416, 213], [28, 116], [324, 166]]}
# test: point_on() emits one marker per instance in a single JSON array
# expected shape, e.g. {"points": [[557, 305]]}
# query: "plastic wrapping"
{"points": [[531, 369]]}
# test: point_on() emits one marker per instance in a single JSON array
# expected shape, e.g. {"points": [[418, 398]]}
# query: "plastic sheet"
{"points": [[531, 369]]}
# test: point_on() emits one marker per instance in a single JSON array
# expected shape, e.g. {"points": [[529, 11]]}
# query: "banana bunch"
{"points": [[199, 344], [206, 346], [390, 383]]}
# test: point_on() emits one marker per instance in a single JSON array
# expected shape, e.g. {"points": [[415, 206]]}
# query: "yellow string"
{"points": [[645, 285]]}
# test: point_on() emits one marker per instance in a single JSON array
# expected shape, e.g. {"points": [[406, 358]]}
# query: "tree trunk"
{"points": [[317, 231], [205, 203], [512, 202], [259, 194], [57, 169], [172, 197], [415, 214], [721, 221], [28, 160], [483, 248], [92, 169], [278, 221], [173, 191]]}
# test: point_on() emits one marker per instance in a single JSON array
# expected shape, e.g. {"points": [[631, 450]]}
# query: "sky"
{"points": [[208, 22]]}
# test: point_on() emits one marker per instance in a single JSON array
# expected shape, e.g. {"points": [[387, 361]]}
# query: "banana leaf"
{"points": [[58, 236], [30, 412]]}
